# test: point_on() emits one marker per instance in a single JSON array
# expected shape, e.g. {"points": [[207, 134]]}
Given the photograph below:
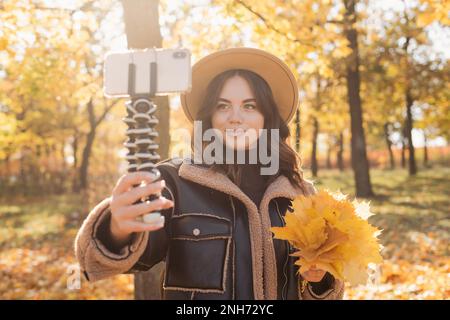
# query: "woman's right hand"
{"points": [[124, 213]]}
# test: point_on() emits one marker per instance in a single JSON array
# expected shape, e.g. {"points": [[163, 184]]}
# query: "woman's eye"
{"points": [[250, 106], [222, 106]]}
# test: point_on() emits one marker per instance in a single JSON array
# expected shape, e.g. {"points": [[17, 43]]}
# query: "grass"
{"points": [[36, 240]]}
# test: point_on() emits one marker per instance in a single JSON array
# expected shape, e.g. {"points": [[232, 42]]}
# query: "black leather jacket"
{"points": [[217, 244]]}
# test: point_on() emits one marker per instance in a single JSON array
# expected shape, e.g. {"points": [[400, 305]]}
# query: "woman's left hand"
{"points": [[313, 274]]}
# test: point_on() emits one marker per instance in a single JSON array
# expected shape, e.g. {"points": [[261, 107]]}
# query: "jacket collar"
{"points": [[261, 239]]}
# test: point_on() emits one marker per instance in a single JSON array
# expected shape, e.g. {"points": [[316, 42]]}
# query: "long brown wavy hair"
{"points": [[289, 161]]}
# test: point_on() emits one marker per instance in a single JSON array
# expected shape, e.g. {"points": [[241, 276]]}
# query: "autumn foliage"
{"points": [[333, 234]]}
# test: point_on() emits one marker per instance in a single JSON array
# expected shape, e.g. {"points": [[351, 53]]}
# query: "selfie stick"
{"points": [[141, 120]]}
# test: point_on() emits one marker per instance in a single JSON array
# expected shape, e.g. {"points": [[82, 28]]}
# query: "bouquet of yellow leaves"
{"points": [[333, 234]]}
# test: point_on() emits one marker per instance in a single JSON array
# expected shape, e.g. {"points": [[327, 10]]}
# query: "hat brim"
{"points": [[274, 71]]}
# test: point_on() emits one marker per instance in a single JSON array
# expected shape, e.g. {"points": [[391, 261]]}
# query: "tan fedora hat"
{"points": [[276, 73]]}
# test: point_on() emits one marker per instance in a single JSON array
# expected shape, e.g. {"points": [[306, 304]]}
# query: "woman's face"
{"points": [[236, 114]]}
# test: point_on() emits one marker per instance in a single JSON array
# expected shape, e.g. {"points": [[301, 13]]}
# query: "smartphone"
{"points": [[173, 72]]}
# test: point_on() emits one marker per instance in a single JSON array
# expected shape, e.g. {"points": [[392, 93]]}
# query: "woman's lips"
{"points": [[235, 132]]}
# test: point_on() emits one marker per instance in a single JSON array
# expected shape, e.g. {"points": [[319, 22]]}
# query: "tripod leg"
{"points": [[142, 147]]}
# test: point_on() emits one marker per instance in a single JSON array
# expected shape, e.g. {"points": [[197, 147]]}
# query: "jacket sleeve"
{"points": [[99, 259]]}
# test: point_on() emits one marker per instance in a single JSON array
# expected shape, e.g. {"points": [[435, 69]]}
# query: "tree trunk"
{"points": [[403, 154], [84, 167], [409, 103], [87, 150], [425, 150], [329, 148], [389, 145], [75, 152], [143, 31], [403, 141], [62, 173], [340, 152], [409, 126], [360, 162], [314, 165]]}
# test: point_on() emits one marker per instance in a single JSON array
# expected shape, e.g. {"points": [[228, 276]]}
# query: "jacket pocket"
{"points": [[198, 253]]}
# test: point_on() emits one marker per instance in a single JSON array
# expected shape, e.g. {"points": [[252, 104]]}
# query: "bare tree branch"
{"points": [[106, 109], [271, 26], [275, 29]]}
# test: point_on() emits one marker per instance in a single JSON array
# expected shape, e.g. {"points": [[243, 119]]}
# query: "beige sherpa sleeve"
{"points": [[96, 261]]}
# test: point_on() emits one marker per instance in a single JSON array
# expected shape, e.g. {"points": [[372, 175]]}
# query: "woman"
{"points": [[214, 233]]}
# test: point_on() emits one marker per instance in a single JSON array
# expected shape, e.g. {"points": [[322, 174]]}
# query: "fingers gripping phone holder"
{"points": [[141, 121]]}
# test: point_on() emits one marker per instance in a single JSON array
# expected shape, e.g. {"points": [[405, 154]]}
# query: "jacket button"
{"points": [[196, 232]]}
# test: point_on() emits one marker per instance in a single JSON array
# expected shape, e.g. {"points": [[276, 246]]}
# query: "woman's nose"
{"points": [[235, 114]]}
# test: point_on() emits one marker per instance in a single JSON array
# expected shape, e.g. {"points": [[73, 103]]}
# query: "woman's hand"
{"points": [[124, 213], [313, 274]]}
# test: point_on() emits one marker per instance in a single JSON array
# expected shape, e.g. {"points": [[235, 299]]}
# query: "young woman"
{"points": [[214, 234]]}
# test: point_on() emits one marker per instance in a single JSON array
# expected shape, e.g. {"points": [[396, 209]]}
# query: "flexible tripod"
{"points": [[141, 121]]}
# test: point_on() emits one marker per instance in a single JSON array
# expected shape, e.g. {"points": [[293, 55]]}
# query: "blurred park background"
{"points": [[374, 78]]}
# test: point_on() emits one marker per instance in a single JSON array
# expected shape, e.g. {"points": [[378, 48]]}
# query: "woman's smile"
{"points": [[235, 132]]}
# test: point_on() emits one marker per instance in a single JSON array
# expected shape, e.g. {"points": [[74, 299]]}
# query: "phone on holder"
{"points": [[153, 71], [140, 75]]}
